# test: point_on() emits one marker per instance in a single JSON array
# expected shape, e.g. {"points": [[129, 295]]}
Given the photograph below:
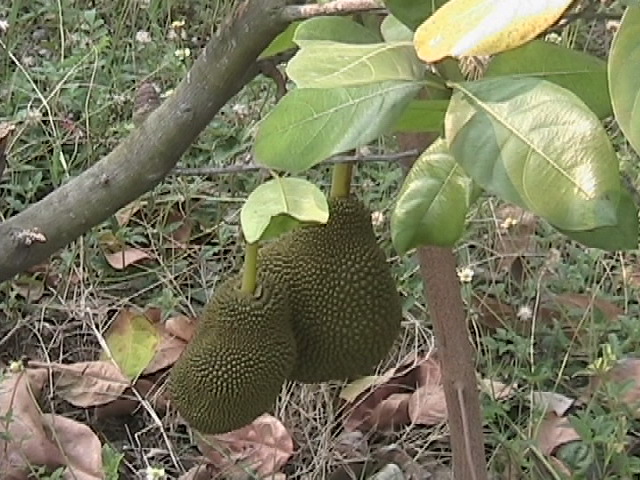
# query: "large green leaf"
{"points": [[622, 236], [537, 145], [422, 116], [624, 76], [334, 29], [331, 64], [583, 74], [309, 125], [411, 12], [432, 204], [280, 205], [393, 30]]}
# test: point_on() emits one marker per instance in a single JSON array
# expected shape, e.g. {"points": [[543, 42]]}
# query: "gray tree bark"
{"points": [[143, 159]]}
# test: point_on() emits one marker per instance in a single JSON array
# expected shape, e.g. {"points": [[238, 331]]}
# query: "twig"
{"points": [[253, 167], [294, 13]]}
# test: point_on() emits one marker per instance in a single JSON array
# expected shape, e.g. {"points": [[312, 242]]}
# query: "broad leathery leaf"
{"points": [[334, 29], [132, 340], [295, 198], [282, 43], [393, 30], [484, 27], [432, 205], [624, 76], [579, 72], [309, 125], [328, 64], [411, 12], [537, 145], [621, 236], [423, 116]]}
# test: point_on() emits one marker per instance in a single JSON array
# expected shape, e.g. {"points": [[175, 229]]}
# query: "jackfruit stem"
{"points": [[341, 180], [250, 268]]}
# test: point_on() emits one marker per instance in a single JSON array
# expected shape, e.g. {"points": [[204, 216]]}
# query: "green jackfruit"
{"points": [[346, 310], [233, 369]]}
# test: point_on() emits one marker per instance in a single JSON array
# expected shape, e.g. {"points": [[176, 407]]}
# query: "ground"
{"points": [[541, 309]]}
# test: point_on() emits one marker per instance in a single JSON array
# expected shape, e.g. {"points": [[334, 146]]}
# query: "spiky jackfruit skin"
{"points": [[233, 369], [346, 309]]}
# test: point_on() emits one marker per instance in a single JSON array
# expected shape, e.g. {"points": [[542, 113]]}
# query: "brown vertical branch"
{"points": [[442, 289]]}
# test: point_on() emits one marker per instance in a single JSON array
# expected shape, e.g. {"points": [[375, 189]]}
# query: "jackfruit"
{"points": [[234, 367], [346, 310]]}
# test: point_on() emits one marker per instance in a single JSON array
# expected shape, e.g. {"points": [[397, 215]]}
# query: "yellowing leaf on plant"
{"points": [[484, 27], [132, 341]]}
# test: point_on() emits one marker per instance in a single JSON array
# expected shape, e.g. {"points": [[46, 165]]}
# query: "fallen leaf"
{"points": [[626, 371], [128, 402], [168, 351], [89, 384], [587, 302], [553, 432], [427, 405], [494, 314], [552, 401], [126, 213], [132, 341], [28, 438], [356, 388], [182, 233], [181, 326], [122, 259], [263, 446], [497, 390]]}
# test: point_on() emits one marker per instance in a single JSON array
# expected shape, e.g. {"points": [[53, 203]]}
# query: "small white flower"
{"points": [[34, 115], [240, 109], [143, 36], [154, 473], [16, 366], [465, 275], [525, 313], [178, 24], [182, 53], [508, 223], [377, 218], [4, 25]]}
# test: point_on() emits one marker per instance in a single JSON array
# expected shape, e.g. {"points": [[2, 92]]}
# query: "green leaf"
{"points": [[132, 340], [432, 205], [537, 145], [282, 42], [423, 116], [624, 76], [331, 64], [579, 72], [280, 205], [393, 30], [309, 125], [622, 236], [411, 12], [334, 29]]}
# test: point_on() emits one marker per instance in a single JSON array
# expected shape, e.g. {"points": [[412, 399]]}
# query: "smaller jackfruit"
{"points": [[234, 367], [346, 309]]}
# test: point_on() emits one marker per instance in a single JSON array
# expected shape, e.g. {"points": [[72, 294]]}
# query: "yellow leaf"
{"points": [[484, 27]]}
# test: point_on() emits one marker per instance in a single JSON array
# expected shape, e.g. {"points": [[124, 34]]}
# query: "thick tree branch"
{"points": [[149, 153]]}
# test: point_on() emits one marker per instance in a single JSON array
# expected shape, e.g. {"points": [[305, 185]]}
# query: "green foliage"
{"points": [[413, 13], [393, 30], [581, 73], [282, 42], [309, 125], [624, 76], [537, 145], [334, 29], [111, 460], [432, 205], [423, 116], [280, 205]]}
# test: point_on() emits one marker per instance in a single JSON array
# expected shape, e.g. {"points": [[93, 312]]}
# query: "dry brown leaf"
{"points": [[182, 234], [181, 326], [625, 372], [121, 260], [553, 432], [128, 403], [79, 446], [126, 213], [494, 314], [264, 446], [89, 384], [30, 438], [427, 405], [552, 401], [168, 351], [586, 302], [497, 390]]}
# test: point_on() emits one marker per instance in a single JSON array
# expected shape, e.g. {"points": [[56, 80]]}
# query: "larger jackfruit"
{"points": [[346, 310], [234, 367]]}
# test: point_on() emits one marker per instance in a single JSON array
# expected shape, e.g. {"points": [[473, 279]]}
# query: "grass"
{"points": [[69, 79]]}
